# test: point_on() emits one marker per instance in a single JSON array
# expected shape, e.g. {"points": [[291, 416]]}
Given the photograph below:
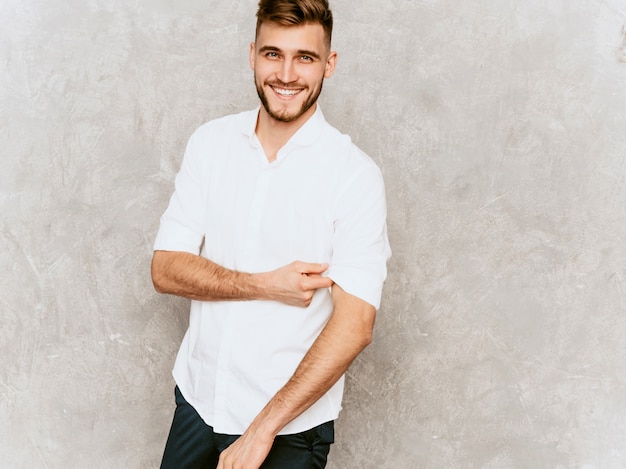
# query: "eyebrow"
{"points": [[310, 53]]}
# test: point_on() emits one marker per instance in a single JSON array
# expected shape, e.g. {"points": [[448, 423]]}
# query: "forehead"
{"points": [[307, 36]]}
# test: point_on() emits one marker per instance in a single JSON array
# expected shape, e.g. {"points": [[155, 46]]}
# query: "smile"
{"points": [[285, 91]]}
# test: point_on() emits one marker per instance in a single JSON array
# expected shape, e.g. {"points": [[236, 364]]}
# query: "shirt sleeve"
{"points": [[360, 245], [181, 227]]}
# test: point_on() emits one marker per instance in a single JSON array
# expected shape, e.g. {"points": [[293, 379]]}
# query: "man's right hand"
{"points": [[191, 276], [295, 283]]}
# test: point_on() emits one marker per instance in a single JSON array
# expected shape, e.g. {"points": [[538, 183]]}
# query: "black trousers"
{"points": [[192, 444]]}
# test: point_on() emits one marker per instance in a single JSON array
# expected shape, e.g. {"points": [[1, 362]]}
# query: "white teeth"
{"points": [[285, 92]]}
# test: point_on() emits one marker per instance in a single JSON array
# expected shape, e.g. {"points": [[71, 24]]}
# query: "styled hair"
{"points": [[296, 12]]}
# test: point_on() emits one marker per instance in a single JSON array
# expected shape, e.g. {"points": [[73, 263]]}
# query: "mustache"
{"points": [[282, 84]]}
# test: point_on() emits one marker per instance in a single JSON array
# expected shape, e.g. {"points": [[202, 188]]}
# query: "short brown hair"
{"points": [[296, 12]]}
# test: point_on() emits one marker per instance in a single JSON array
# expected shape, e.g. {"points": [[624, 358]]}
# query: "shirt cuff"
{"points": [[358, 282], [175, 237]]}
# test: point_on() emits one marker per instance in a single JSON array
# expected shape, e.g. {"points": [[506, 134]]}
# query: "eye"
{"points": [[306, 58], [271, 55]]}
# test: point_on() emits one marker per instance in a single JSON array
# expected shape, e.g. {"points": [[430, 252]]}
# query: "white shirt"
{"points": [[321, 200]]}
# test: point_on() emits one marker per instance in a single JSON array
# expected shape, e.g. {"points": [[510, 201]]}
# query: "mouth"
{"points": [[286, 92]]}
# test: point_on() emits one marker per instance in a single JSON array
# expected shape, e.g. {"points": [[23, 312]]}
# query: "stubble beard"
{"points": [[283, 116]]}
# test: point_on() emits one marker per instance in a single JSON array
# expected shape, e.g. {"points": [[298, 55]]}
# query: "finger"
{"points": [[312, 268], [313, 283]]}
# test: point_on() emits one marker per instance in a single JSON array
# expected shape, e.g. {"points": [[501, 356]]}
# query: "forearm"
{"points": [[197, 278], [347, 333]]}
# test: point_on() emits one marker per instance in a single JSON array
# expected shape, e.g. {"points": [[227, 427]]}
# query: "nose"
{"points": [[287, 72]]}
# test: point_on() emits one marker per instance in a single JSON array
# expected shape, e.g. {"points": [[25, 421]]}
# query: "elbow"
{"points": [[158, 287], [367, 326], [366, 339], [157, 273]]}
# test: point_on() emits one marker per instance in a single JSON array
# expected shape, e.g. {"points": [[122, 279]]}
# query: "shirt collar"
{"points": [[306, 135]]}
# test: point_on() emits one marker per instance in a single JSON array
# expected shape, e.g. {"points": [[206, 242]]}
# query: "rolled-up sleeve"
{"points": [[181, 226], [360, 246]]}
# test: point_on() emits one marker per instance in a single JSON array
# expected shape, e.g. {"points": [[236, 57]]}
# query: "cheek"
{"points": [[316, 78], [263, 70], [312, 74]]}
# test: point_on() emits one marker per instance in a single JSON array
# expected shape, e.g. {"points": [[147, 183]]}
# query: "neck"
{"points": [[274, 134]]}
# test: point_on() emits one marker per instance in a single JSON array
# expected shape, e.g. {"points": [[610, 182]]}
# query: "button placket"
{"points": [[257, 208]]}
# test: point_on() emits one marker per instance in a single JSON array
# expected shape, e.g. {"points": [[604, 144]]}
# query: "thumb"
{"points": [[314, 268]]}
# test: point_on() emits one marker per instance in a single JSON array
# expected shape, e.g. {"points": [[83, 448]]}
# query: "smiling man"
{"points": [[276, 232]]}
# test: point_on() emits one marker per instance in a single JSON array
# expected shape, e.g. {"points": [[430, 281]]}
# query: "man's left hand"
{"points": [[247, 452]]}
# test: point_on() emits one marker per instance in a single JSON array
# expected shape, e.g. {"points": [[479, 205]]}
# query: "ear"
{"points": [[252, 55], [331, 63]]}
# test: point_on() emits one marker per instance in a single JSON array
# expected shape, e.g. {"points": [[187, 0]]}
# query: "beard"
{"points": [[282, 115]]}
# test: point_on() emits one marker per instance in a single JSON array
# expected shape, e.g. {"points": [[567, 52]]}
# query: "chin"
{"points": [[284, 116]]}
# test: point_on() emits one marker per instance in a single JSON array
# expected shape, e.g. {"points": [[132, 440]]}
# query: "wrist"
{"points": [[261, 285], [266, 427], [274, 416]]}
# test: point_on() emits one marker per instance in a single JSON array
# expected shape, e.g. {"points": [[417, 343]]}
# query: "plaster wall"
{"points": [[499, 127]]}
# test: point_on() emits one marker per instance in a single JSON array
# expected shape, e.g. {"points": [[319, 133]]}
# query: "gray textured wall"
{"points": [[500, 129]]}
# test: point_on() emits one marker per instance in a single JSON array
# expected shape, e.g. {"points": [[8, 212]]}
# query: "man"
{"points": [[276, 232]]}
